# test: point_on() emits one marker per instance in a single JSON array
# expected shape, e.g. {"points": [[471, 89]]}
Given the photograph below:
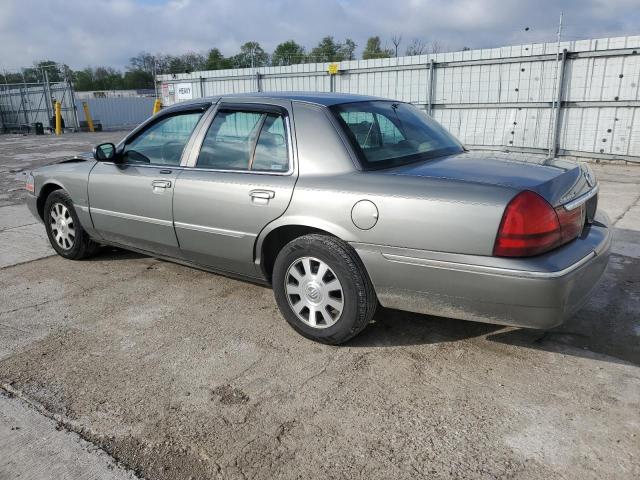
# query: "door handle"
{"points": [[261, 197], [161, 184]]}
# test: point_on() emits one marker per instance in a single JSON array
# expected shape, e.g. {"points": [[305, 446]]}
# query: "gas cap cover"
{"points": [[364, 214]]}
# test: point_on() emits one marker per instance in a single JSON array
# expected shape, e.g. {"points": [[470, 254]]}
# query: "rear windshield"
{"points": [[386, 134]]}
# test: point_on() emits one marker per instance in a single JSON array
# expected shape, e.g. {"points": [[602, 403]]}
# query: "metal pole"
{"points": [[24, 107], [155, 81], [553, 148], [73, 104], [555, 85], [432, 67], [258, 82], [48, 100]]}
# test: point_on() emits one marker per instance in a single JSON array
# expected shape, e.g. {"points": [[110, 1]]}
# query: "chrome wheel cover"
{"points": [[314, 292], [63, 228]]}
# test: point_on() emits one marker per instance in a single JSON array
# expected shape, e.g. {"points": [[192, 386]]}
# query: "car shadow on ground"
{"points": [[606, 328], [115, 253], [397, 328]]}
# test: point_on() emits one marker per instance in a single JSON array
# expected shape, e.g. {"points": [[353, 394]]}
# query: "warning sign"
{"points": [[333, 68], [184, 91]]}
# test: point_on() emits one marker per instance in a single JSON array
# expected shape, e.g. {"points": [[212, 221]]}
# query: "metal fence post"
{"points": [[432, 66], [202, 87], [48, 99], [73, 104], [258, 82], [553, 146]]}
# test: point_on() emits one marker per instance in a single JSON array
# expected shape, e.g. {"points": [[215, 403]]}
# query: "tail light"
{"points": [[530, 226]]}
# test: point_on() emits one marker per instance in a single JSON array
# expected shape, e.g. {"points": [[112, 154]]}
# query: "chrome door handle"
{"points": [[261, 197], [161, 184]]}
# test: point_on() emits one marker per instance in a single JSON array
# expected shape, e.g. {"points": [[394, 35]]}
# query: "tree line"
{"points": [[141, 69]]}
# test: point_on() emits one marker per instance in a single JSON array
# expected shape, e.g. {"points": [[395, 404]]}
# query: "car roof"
{"points": [[319, 98]]}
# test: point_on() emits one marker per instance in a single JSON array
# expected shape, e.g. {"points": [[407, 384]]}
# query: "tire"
{"points": [[339, 310], [66, 235]]}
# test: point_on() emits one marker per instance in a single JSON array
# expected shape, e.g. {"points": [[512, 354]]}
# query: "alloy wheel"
{"points": [[314, 292], [62, 226]]}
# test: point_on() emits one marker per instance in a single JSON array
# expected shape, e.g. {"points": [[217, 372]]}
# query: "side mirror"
{"points": [[105, 152]]}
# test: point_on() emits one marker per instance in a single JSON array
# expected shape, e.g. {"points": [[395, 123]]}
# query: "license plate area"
{"points": [[590, 209]]}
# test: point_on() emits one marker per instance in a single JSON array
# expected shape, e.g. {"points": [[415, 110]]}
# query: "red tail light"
{"points": [[530, 226]]}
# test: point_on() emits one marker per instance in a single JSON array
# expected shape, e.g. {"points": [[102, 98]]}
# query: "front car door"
{"points": [[239, 177], [131, 199]]}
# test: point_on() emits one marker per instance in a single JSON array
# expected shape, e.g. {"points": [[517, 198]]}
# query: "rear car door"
{"points": [[240, 177], [131, 199]]}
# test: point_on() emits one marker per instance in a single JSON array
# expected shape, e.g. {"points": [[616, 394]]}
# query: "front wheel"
{"points": [[322, 289], [65, 233]]}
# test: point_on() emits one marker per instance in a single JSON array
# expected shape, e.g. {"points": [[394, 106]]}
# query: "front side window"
{"points": [[241, 140], [386, 134], [163, 142]]}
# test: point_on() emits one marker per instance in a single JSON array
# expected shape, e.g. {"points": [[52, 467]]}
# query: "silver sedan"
{"points": [[340, 203]]}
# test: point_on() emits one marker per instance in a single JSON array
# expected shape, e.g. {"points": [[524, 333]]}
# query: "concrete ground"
{"points": [[130, 366]]}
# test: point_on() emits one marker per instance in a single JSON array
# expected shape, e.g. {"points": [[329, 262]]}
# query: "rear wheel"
{"points": [[322, 289], [65, 233]]}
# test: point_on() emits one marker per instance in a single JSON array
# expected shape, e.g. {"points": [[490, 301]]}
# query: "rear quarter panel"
{"points": [[424, 213], [421, 213]]}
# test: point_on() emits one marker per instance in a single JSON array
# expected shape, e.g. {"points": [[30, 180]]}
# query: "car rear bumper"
{"points": [[537, 292]]}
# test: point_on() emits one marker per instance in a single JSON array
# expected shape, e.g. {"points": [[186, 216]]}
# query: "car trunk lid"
{"points": [[558, 181]]}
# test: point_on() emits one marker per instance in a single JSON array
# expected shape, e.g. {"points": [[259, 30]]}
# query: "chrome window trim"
{"points": [[130, 216], [469, 268], [217, 231], [573, 204], [180, 168]]}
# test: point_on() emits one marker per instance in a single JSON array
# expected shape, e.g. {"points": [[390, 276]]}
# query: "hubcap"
{"points": [[62, 226], [314, 292]]}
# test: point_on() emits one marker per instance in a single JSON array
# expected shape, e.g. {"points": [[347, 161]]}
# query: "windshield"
{"points": [[386, 134]]}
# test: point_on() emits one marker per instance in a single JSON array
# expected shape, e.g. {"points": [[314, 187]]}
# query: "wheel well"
{"points": [[45, 191], [277, 239]]}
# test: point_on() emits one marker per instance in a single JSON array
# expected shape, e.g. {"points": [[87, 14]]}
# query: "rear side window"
{"points": [[241, 140], [228, 143], [163, 142], [387, 133], [271, 150]]}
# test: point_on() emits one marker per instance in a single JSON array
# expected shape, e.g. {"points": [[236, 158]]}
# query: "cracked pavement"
{"points": [[160, 371]]}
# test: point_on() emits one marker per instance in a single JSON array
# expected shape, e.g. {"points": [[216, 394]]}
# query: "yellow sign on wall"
{"points": [[333, 68]]}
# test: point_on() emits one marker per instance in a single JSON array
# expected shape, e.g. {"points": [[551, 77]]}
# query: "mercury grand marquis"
{"points": [[341, 203]]}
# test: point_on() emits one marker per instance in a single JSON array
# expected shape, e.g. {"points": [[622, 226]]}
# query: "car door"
{"points": [[130, 200], [240, 177]]}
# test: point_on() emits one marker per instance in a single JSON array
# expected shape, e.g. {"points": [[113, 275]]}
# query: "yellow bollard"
{"points": [[157, 105], [58, 118], [87, 116]]}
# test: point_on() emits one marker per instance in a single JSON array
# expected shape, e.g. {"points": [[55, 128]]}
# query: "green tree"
{"points": [[374, 49], [144, 61], [137, 79], [83, 80], [217, 61], [288, 53], [251, 55], [348, 49], [327, 50]]}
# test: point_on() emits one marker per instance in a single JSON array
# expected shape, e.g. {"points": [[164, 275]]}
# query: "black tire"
{"points": [[81, 245], [359, 298]]}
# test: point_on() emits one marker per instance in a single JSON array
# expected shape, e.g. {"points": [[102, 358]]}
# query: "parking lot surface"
{"points": [[162, 371]]}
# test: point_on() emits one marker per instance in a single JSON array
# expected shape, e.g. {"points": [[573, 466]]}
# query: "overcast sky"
{"points": [[92, 32]]}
